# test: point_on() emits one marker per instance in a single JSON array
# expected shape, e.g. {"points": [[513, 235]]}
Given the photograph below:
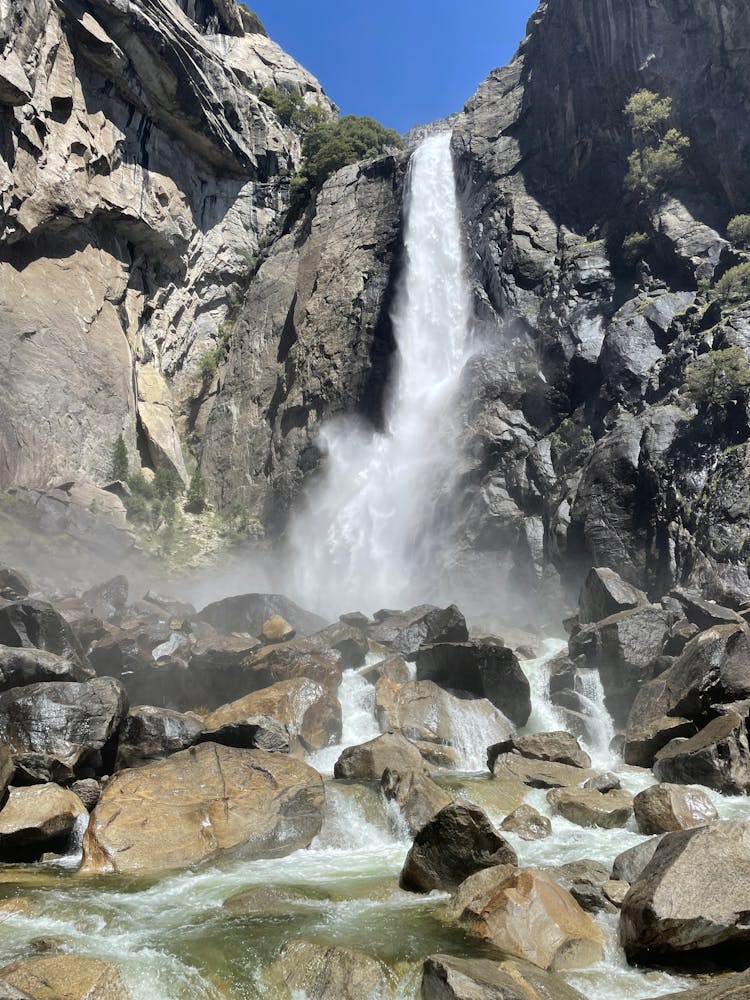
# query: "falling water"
{"points": [[367, 535]]}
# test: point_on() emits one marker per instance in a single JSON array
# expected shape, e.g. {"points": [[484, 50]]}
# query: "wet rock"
{"points": [[406, 631], [20, 666], [356, 619], [88, 790], [559, 747], [714, 669], [308, 712], [13, 584], [393, 668], [587, 807], [349, 642], [679, 636], [417, 796], [284, 661], [733, 987], [616, 891], [645, 737], [628, 866], [108, 600], [526, 913], [665, 808], [66, 977], [705, 614], [449, 731], [527, 823], [174, 607], [201, 804], [332, 973], [457, 842], [607, 782], [539, 773], [269, 902], [248, 612], [445, 977], [485, 669], [277, 629], [692, 899], [7, 770], [58, 731], [38, 819], [584, 880], [605, 593], [36, 625], [367, 761], [717, 757], [127, 653], [623, 648], [150, 734]]}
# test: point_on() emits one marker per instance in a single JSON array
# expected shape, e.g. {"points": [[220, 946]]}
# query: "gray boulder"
{"points": [[24, 665], [148, 734], [445, 977], [35, 624], [628, 866], [417, 796], [605, 593], [318, 972], [406, 631], [249, 612], [717, 757], [665, 808], [367, 761]]}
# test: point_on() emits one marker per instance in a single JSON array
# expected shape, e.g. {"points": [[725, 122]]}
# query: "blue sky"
{"points": [[405, 62]]}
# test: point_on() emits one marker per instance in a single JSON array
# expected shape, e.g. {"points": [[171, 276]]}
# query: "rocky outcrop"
{"points": [[368, 761], [202, 804], [38, 819], [69, 976], [321, 973], [587, 807], [447, 978]]}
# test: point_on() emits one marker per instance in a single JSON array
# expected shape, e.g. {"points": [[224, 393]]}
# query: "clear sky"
{"points": [[404, 62]]}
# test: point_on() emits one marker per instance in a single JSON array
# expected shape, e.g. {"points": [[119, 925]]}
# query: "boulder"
{"points": [[539, 773], [58, 731], [559, 747], [679, 636], [481, 668], [717, 757], [605, 782], [526, 913], [150, 734], [310, 714], [587, 807], [527, 823], [692, 899], [171, 605], [13, 584], [202, 804], [623, 648], [628, 865], [393, 668], [270, 901], [318, 972], [665, 808], [644, 738], [585, 881], [615, 891], [605, 593], [38, 819], [20, 666], [417, 796], [36, 625], [108, 600], [449, 731], [248, 612], [705, 614], [406, 631], [457, 842], [277, 629], [733, 987], [7, 770], [88, 790], [304, 657], [445, 977], [713, 669], [350, 642], [368, 761], [66, 977]]}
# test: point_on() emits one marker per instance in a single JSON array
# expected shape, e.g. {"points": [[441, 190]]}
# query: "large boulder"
{"points": [[417, 796], [406, 631], [481, 668], [38, 819], [108, 600], [65, 977], [624, 648], [527, 823], [605, 593], [249, 612], [539, 773], [692, 899], [150, 734], [587, 807], [717, 757], [735, 987], [445, 977], [449, 731], [23, 665], [665, 808], [713, 669], [525, 912], [36, 625], [310, 714], [303, 657], [457, 842], [367, 761], [318, 972], [705, 614], [628, 866], [14, 584], [559, 746], [56, 732], [201, 804]]}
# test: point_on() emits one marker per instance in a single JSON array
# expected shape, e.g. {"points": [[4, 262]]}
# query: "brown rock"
{"points": [[277, 629], [447, 978], [560, 747], [417, 796], [665, 808], [736, 987], [527, 823], [587, 807], [38, 819], [200, 804], [539, 773], [66, 977], [615, 890], [367, 761], [325, 973], [717, 757]]}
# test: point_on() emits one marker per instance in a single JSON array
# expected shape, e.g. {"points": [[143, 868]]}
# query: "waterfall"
{"points": [[367, 534], [601, 730]]}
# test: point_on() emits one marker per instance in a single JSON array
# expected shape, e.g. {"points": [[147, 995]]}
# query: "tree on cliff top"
{"points": [[659, 153]]}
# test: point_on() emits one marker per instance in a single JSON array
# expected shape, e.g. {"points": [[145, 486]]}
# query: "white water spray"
{"points": [[367, 536]]}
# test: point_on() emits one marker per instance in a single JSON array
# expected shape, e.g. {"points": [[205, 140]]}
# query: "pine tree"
{"points": [[196, 494], [119, 464]]}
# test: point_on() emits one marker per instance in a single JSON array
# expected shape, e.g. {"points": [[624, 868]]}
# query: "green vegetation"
{"points": [[738, 231], [734, 286], [659, 152], [195, 501], [119, 464], [634, 248], [331, 145], [166, 483], [291, 108], [718, 378]]}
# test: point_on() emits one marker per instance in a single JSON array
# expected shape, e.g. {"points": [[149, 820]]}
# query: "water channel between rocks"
{"points": [[174, 939]]}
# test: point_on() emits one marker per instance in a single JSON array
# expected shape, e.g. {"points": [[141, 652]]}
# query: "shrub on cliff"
{"points": [[718, 378], [659, 154], [291, 108], [119, 462], [195, 501], [734, 286], [738, 231]]}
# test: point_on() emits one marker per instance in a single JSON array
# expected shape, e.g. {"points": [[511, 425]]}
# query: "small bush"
{"points": [[166, 483], [634, 248], [291, 108], [169, 510], [738, 231], [195, 501], [718, 378], [119, 463], [208, 365], [140, 486], [734, 287], [138, 508]]}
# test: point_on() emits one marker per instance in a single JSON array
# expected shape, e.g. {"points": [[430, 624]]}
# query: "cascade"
{"points": [[368, 534]]}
